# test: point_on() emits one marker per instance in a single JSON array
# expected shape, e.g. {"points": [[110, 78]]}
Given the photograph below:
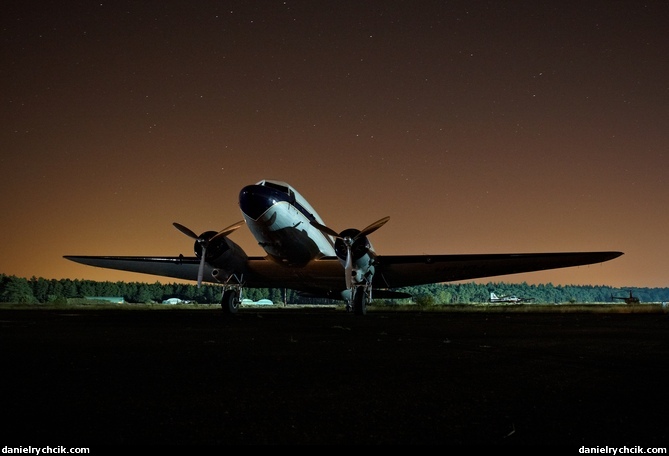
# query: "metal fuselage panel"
{"points": [[279, 219]]}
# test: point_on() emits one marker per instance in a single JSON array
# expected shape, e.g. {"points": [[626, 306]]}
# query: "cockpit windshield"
{"points": [[276, 186]]}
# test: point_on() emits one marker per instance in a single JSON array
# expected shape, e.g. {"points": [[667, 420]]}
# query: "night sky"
{"points": [[478, 127]]}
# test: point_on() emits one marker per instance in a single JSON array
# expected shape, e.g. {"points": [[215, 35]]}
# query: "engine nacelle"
{"points": [[362, 254], [222, 254]]}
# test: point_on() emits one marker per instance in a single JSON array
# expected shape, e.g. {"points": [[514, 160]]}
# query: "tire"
{"points": [[230, 302], [360, 301]]}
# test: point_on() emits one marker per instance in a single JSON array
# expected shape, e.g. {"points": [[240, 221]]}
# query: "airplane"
{"points": [[304, 254], [630, 300], [495, 298]]}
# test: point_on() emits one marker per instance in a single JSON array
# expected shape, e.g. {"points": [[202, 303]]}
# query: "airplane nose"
{"points": [[254, 200]]}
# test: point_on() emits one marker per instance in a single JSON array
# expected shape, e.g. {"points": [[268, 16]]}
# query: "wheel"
{"points": [[360, 301], [230, 302]]}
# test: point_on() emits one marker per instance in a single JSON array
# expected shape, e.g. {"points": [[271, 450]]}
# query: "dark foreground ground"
{"points": [[109, 377]]}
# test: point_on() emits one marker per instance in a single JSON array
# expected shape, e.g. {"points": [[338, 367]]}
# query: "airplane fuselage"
{"points": [[279, 219], [293, 235]]}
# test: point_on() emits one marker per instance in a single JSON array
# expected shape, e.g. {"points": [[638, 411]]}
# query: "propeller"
{"points": [[349, 241], [204, 242]]}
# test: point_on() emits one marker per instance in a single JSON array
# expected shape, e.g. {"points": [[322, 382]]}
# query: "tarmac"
{"points": [[325, 377]]}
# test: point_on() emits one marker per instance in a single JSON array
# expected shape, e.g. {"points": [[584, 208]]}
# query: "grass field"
{"points": [[643, 308]]}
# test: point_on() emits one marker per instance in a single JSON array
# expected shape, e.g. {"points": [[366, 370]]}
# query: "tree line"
{"points": [[41, 291]]}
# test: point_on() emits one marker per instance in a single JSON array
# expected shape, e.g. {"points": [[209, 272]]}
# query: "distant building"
{"points": [[112, 299], [260, 302], [176, 301]]}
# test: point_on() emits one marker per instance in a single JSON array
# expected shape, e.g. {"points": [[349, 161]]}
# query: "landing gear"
{"points": [[232, 293], [360, 301], [230, 301]]}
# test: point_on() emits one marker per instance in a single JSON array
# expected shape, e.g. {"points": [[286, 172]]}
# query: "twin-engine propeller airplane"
{"points": [[305, 255]]}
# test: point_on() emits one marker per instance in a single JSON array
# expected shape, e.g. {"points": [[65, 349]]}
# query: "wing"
{"points": [[257, 272], [324, 275], [411, 270], [180, 267]]}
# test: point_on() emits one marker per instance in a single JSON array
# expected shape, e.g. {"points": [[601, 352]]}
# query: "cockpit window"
{"points": [[281, 188]]}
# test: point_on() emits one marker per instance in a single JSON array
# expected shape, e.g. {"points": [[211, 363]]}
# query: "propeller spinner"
{"points": [[349, 241], [204, 242]]}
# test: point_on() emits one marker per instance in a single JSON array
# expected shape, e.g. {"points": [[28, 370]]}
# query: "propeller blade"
{"points": [[200, 270], [226, 231], [349, 268], [373, 227], [185, 230], [325, 229]]}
